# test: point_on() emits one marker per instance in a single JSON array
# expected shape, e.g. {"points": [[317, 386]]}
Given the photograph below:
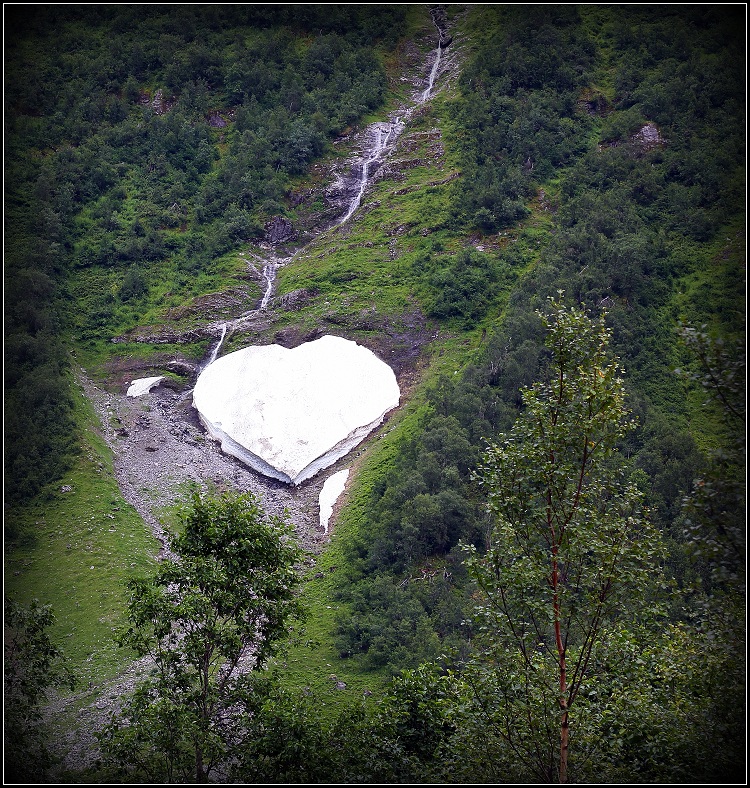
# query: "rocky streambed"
{"points": [[161, 451]]}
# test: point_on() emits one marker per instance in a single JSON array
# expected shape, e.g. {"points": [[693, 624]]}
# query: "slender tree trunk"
{"points": [[200, 777], [200, 772], [564, 742], [562, 672]]}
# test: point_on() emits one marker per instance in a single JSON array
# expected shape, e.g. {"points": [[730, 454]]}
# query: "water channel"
{"points": [[379, 143]]}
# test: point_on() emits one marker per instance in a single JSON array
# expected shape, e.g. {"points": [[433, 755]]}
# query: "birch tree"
{"points": [[571, 553]]}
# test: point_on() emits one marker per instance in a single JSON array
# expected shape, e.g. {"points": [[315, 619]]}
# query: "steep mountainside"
{"points": [[186, 181]]}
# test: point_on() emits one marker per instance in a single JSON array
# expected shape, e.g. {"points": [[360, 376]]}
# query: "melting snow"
{"points": [[142, 386], [333, 487], [290, 413]]}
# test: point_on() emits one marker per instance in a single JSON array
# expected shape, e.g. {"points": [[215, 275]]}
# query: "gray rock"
{"points": [[648, 137], [296, 299], [279, 230]]}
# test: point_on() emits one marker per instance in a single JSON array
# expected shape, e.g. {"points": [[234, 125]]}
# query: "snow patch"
{"points": [[333, 487], [142, 386], [291, 413]]}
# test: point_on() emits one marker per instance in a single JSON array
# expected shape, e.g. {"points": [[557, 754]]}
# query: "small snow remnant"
{"points": [[333, 487], [143, 385]]}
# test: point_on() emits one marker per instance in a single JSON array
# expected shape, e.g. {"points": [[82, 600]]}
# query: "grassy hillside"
{"points": [[592, 151]]}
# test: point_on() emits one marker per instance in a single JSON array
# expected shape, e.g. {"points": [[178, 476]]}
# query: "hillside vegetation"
{"points": [[582, 162]]}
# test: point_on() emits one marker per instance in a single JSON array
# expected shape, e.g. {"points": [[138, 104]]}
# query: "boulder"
{"points": [[180, 367], [279, 230]]}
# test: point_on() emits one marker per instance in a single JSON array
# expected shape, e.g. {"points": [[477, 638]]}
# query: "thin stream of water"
{"points": [[215, 351], [269, 274], [384, 135], [433, 74]]}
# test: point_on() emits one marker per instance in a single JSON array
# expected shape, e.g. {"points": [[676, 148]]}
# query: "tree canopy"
{"points": [[209, 617]]}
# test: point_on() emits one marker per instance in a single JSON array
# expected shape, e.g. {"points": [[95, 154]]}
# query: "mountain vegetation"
{"points": [[544, 552]]}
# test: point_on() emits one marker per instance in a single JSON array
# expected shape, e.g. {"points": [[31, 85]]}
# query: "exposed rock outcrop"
{"points": [[296, 299], [439, 16], [180, 367], [279, 230], [648, 137]]}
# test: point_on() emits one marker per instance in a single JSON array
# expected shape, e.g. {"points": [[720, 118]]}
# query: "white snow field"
{"points": [[290, 413]]}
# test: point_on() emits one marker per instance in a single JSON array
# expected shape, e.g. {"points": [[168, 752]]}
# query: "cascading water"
{"points": [[381, 137], [433, 74], [215, 351], [269, 274], [384, 133], [381, 141]]}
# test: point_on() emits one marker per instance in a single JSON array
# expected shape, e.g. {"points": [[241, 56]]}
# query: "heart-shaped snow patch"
{"points": [[289, 413]]}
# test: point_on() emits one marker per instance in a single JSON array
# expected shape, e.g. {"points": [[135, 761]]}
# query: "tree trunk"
{"points": [[562, 671], [564, 743], [200, 775]]}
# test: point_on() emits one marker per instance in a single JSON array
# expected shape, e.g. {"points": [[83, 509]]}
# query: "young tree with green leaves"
{"points": [[206, 621], [571, 555], [32, 666]]}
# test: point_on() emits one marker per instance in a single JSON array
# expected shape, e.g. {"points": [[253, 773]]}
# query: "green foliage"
{"points": [[518, 103], [657, 716], [570, 550], [148, 142], [614, 234], [389, 624], [40, 432], [714, 523], [32, 666], [133, 286], [465, 288], [395, 740], [208, 617], [118, 209]]}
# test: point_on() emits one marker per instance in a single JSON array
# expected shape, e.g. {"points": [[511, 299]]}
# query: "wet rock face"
{"points": [[290, 413], [279, 230]]}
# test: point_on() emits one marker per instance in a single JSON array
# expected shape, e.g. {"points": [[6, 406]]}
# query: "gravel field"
{"points": [[160, 449]]}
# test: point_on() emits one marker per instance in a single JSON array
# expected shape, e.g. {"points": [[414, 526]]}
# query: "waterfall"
{"points": [[215, 351], [269, 274], [433, 74], [381, 141], [382, 135]]}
